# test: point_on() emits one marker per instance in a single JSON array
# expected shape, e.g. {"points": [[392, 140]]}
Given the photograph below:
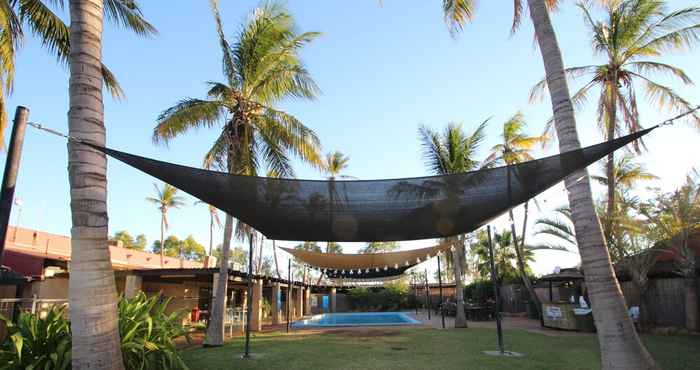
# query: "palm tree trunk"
{"points": [[277, 266], [260, 256], [610, 165], [620, 345], [211, 233], [460, 316], [162, 241], [519, 255], [215, 331], [691, 303], [92, 290]]}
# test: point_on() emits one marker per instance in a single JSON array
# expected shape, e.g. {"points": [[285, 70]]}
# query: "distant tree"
{"points": [[128, 241], [192, 250], [300, 270], [238, 257], [334, 247], [380, 247], [165, 199], [188, 248], [172, 246]]}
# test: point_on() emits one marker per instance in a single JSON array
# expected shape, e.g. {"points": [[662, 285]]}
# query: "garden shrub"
{"points": [[146, 331]]}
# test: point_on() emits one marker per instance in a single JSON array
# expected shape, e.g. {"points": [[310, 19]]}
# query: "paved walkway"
{"points": [[508, 322]]}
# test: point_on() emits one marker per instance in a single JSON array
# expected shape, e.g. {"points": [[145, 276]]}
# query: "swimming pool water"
{"points": [[356, 319]]}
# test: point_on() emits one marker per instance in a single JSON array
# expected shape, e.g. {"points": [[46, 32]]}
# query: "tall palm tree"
{"points": [[634, 35], [261, 68], [515, 148], [332, 166], [449, 152], [92, 291], [619, 343], [214, 220], [165, 199], [41, 20]]}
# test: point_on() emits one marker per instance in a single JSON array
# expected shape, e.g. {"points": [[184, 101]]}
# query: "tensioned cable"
{"points": [[42, 127]]}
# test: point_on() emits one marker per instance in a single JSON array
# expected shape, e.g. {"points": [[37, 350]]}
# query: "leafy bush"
{"points": [[37, 343], [390, 298], [147, 333], [479, 292]]}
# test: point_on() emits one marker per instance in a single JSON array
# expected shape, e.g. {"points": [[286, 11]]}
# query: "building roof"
{"points": [[23, 245]]}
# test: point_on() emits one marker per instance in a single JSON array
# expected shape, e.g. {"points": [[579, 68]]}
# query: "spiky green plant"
{"points": [[35, 342], [147, 332]]}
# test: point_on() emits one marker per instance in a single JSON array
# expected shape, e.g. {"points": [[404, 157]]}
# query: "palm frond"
{"points": [[227, 61], [127, 13], [187, 114], [457, 13]]}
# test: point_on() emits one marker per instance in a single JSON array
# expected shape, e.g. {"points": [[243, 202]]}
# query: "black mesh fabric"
{"points": [[373, 210]]}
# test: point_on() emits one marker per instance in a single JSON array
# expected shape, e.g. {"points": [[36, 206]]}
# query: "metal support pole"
{"points": [[495, 291], [289, 293], [442, 309], [9, 180], [427, 293], [249, 311], [415, 291]]}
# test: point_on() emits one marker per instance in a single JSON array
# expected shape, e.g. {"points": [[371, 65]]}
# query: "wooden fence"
{"points": [[665, 301]]}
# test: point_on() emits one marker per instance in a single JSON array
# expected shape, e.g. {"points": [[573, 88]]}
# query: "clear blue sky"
{"points": [[383, 71]]}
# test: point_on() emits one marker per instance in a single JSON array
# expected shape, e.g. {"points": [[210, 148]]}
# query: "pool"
{"points": [[356, 319]]}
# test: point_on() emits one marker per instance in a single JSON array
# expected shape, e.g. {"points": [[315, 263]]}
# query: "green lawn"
{"points": [[430, 349]]}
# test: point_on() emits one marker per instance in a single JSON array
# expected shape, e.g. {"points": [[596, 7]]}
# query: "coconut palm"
{"points": [[515, 148], [620, 345], [166, 198], [42, 21], [626, 173], [558, 227], [92, 291], [214, 220], [261, 68], [632, 38], [450, 152]]}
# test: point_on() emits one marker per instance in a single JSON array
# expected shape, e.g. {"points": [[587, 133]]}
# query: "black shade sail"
{"points": [[373, 210]]}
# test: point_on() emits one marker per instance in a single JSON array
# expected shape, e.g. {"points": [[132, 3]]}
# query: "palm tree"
{"points": [[504, 255], [335, 162], [450, 152], [262, 67], [515, 148], [379, 247], [214, 220], [620, 345], [632, 37], [53, 32], [626, 173], [92, 291], [165, 199]]}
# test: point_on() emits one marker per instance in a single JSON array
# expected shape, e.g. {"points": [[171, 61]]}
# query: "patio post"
{"points": [[249, 311], [275, 303], [289, 293], [495, 290], [427, 293], [9, 179], [442, 309]]}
